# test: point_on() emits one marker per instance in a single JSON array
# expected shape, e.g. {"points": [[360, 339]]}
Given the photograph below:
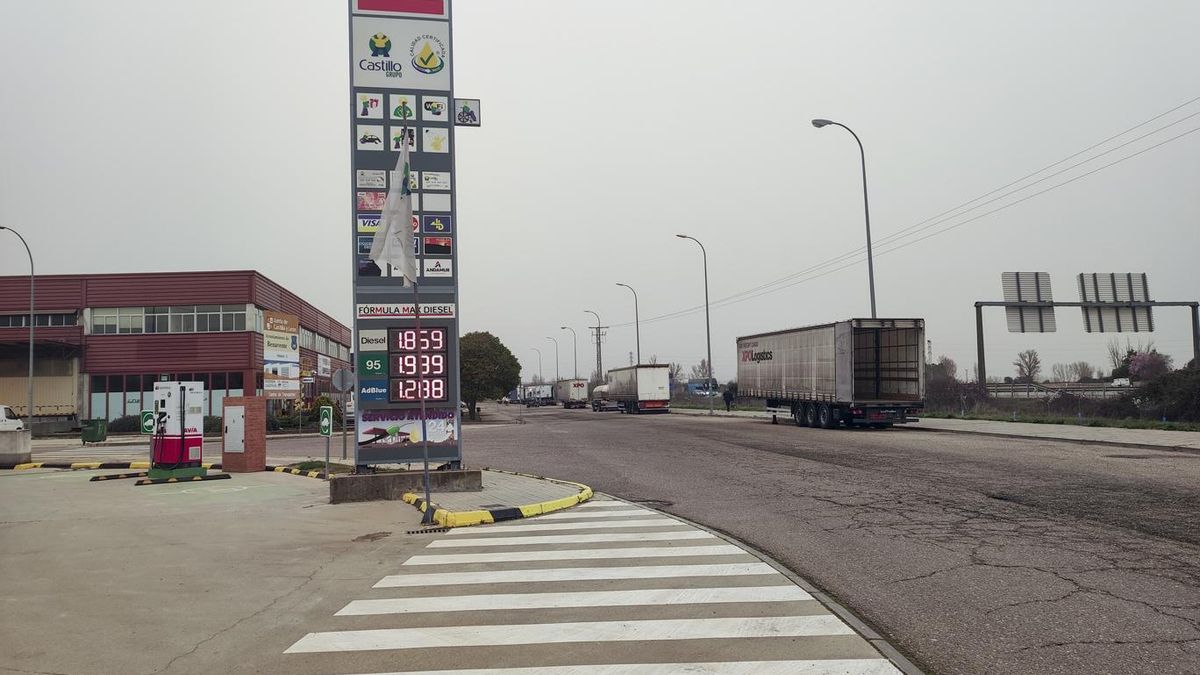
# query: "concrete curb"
{"points": [[1081, 441], [869, 634], [447, 518], [87, 465], [296, 472]]}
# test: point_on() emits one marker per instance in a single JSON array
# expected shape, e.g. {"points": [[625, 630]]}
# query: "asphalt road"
{"points": [[971, 554]]}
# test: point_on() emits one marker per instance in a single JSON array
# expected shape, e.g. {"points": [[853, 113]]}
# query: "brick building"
{"points": [[102, 340]]}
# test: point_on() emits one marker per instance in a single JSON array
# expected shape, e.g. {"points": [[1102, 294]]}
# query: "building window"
{"points": [[175, 319], [22, 320]]}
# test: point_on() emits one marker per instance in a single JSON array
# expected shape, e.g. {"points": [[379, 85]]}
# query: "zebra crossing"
{"points": [[606, 587]]}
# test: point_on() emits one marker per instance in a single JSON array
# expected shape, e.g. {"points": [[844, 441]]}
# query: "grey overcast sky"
{"points": [[168, 135]]}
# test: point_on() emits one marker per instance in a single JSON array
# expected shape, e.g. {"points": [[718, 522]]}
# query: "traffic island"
{"points": [[370, 487], [527, 494]]}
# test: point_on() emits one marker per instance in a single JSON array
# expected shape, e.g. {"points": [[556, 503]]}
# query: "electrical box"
{"points": [[178, 439]]}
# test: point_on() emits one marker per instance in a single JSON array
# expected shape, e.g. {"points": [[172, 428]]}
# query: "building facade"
{"points": [[102, 340]]}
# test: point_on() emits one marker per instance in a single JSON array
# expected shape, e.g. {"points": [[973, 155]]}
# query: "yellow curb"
{"points": [[446, 518]]}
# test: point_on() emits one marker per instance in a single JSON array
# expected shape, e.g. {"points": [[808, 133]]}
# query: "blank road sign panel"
{"points": [[1031, 287], [1115, 288]]}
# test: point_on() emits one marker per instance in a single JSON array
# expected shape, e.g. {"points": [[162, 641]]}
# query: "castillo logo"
{"points": [[428, 54], [381, 45], [751, 356]]}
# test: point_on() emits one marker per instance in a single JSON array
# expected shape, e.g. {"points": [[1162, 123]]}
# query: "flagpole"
{"points": [[426, 519]]}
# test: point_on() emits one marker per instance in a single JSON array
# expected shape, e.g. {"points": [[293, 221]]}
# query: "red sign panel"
{"points": [[431, 7]]}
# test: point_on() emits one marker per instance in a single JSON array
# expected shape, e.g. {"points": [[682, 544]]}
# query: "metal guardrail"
{"points": [[1035, 390]]}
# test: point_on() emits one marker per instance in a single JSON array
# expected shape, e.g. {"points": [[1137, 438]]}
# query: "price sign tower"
{"points": [[401, 94]]}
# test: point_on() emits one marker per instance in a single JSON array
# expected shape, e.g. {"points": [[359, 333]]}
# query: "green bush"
{"points": [[1175, 395], [213, 424]]}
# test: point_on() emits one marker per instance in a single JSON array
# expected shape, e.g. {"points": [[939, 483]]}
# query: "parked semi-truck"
{"points": [[571, 393], [600, 399], [535, 395], [859, 372], [640, 389]]}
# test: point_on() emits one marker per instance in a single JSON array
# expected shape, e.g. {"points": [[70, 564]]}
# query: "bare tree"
{"points": [[1082, 370], [1062, 372], [700, 371], [1029, 365], [674, 371], [653, 359]]}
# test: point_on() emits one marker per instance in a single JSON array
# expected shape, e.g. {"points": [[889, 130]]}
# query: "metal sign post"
{"points": [[326, 431], [343, 380]]}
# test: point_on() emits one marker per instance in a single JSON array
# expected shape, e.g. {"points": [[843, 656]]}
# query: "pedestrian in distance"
{"points": [[728, 396]]}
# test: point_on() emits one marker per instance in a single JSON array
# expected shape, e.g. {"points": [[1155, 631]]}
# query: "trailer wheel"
{"points": [[825, 416], [810, 415], [798, 415]]}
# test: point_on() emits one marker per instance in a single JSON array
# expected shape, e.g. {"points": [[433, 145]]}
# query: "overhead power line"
{"points": [[855, 257]]}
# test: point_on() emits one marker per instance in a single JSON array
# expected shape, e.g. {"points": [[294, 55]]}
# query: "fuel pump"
{"points": [[177, 446]]}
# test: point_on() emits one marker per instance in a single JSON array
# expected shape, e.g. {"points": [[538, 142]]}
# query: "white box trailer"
{"points": [[535, 395], [639, 389], [866, 372], [571, 393]]}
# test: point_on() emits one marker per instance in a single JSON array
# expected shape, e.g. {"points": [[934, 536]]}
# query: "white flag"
{"points": [[393, 242]]}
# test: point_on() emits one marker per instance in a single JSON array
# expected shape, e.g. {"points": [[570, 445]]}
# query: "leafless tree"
{"points": [[700, 371], [1029, 365], [1062, 372], [1082, 370]]}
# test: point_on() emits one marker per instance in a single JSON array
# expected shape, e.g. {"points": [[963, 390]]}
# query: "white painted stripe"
{"points": [[611, 504], [506, 601], [532, 526], [530, 540], [574, 574], [808, 667], [594, 513], [578, 554], [553, 633]]}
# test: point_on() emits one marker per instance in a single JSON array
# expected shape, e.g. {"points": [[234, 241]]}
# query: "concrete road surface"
{"points": [[971, 554]]}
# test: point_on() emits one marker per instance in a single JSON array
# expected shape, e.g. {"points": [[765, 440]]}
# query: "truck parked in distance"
{"points": [[601, 401], [571, 393], [639, 389], [535, 395], [859, 372]]}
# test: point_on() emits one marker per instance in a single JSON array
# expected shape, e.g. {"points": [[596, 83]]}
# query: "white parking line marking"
{"points": [[507, 601], [579, 554], [534, 526], [594, 513], [551, 633], [572, 539], [575, 574], [805, 667]]}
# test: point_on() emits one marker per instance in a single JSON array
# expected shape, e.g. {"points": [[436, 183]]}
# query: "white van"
{"points": [[9, 420]]}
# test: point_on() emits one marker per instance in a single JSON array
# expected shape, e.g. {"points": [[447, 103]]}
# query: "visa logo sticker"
{"points": [[368, 222]]}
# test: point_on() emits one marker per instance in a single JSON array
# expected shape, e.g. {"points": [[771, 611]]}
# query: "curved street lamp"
{"points": [[707, 325], [539, 353], [29, 411], [599, 358], [575, 341], [637, 326], [818, 123], [557, 376]]}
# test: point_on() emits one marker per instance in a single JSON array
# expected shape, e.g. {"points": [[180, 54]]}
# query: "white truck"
{"points": [[535, 395], [640, 389], [858, 372], [571, 393]]}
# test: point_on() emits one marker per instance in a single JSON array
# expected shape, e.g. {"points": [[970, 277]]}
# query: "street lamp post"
{"points": [[557, 376], [575, 342], [29, 410], [707, 325], [637, 326], [539, 353], [599, 357], [818, 123]]}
